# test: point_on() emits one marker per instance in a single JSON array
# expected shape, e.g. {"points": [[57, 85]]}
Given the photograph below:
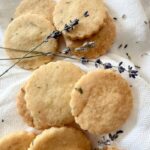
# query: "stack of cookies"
{"points": [[63, 101], [98, 27], [35, 19]]}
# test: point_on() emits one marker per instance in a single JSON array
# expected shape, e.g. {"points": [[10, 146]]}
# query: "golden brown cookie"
{"points": [[101, 101], [61, 139], [40, 7], [103, 40], [67, 10], [17, 141], [25, 33], [47, 95]]}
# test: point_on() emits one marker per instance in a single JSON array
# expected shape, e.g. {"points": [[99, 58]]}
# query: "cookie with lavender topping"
{"points": [[17, 141], [67, 10], [101, 101], [103, 40], [40, 7], [61, 139], [44, 100], [26, 32]]}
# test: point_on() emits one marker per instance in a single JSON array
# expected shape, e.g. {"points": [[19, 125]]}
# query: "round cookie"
{"points": [[25, 33], [16, 141], [47, 95], [61, 139], [67, 10], [104, 104], [40, 7], [103, 41]]}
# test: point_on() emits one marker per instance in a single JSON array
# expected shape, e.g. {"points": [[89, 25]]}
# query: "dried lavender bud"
{"points": [[129, 57], [80, 90], [86, 14], [130, 68], [107, 66], [68, 28], [84, 60], [115, 18], [132, 73], [125, 46], [66, 50], [55, 34], [120, 63], [119, 132], [74, 22], [120, 46], [121, 69], [98, 62]]}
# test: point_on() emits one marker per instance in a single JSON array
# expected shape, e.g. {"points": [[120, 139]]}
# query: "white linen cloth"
{"points": [[132, 30]]}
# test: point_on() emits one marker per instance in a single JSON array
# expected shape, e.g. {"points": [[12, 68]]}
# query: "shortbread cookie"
{"points": [[61, 139], [103, 41], [47, 95], [67, 10], [25, 33], [17, 141], [101, 101], [40, 7]]}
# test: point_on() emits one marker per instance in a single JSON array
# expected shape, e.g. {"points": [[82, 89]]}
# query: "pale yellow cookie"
{"points": [[25, 113], [40, 7], [67, 10], [101, 101], [103, 41], [61, 139], [25, 33], [17, 141], [47, 95]]}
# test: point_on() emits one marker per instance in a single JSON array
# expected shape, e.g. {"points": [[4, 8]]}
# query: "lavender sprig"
{"points": [[132, 72], [98, 63], [54, 35]]}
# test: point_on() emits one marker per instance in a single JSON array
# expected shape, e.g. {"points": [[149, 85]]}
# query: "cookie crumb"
{"points": [[2, 120]]}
